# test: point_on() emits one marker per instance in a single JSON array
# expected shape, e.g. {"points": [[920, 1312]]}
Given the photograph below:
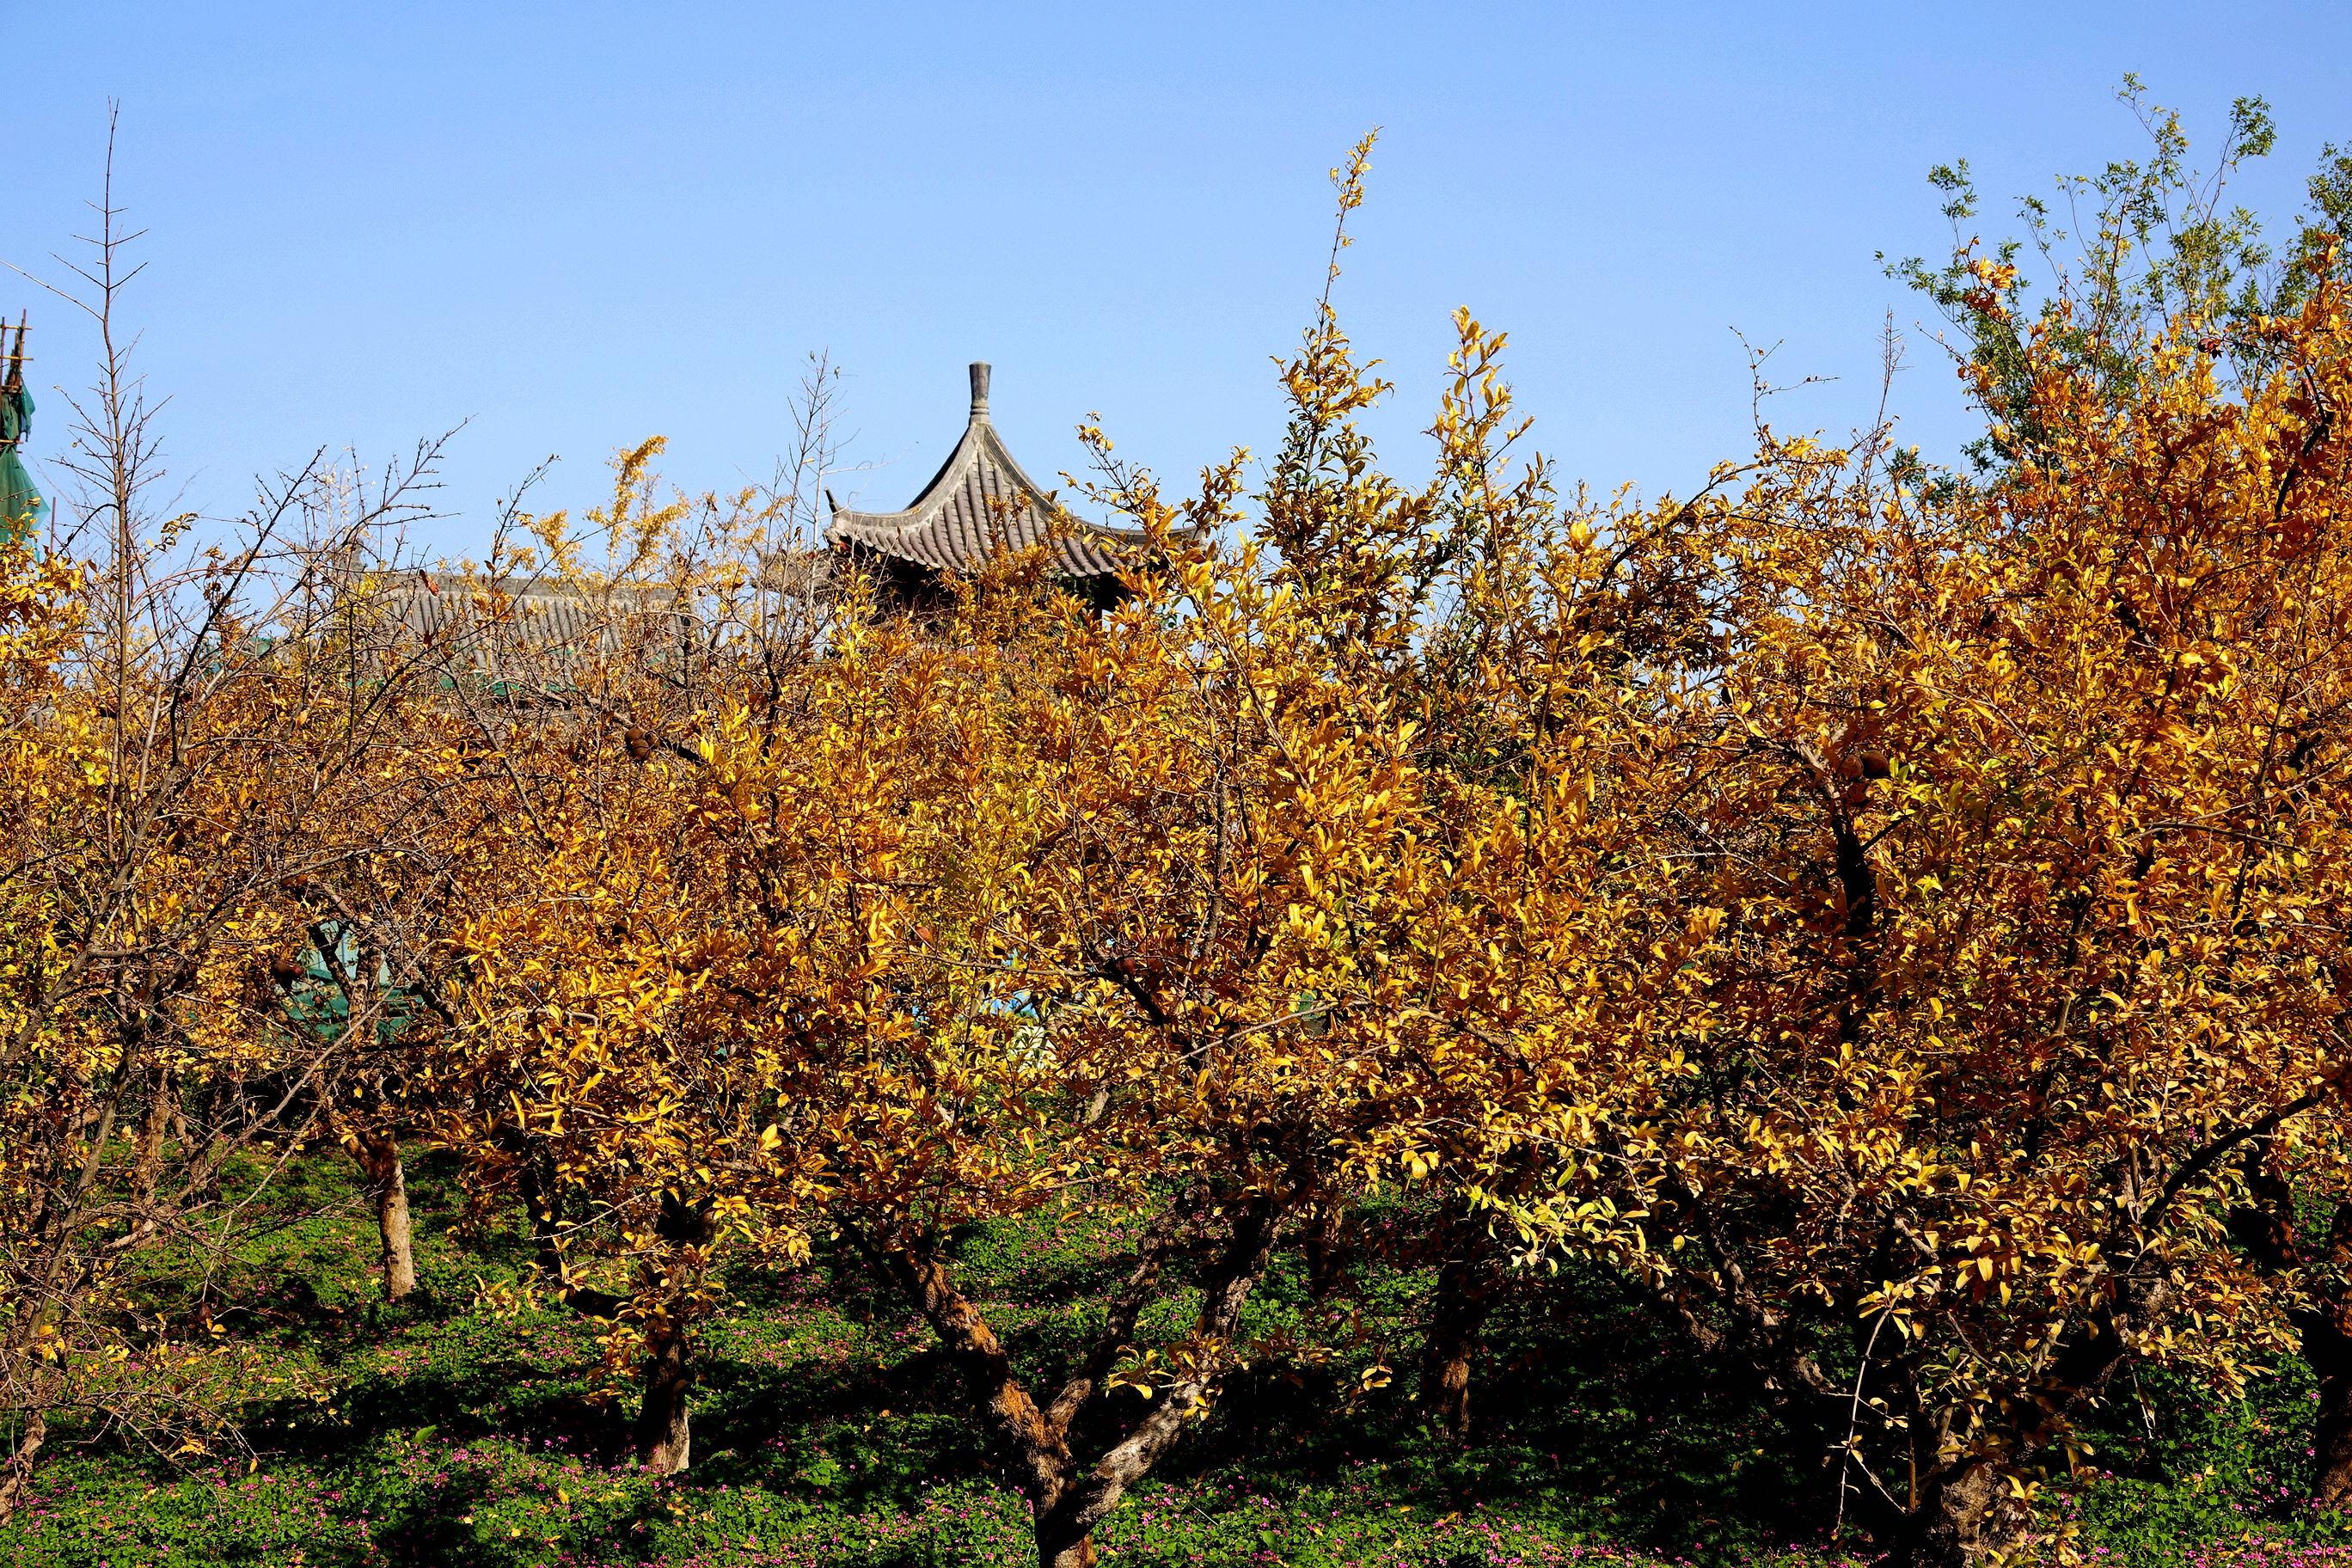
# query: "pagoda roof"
{"points": [[516, 627], [980, 505]]}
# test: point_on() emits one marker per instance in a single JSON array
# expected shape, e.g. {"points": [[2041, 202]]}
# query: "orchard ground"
{"points": [[478, 1424]]}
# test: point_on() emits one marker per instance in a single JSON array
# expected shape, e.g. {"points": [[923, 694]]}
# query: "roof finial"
{"points": [[980, 389]]}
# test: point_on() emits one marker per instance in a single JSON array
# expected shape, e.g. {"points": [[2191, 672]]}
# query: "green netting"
{"points": [[317, 1003], [24, 512]]}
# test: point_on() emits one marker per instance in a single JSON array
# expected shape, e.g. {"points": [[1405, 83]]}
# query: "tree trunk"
{"points": [[1326, 1259], [2327, 1347], [664, 1442], [1039, 1443], [147, 1166], [220, 1102], [1963, 1517], [1068, 1503], [539, 1200], [1055, 1549], [1465, 1295], [378, 1157], [1962, 1514], [1064, 1530], [390, 1181], [163, 1093], [2266, 1228], [18, 1472]]}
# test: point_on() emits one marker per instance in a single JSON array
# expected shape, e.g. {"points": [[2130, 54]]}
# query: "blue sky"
{"points": [[578, 225]]}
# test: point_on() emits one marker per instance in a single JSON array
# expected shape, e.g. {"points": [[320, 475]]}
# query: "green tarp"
{"points": [[317, 1003], [22, 511]]}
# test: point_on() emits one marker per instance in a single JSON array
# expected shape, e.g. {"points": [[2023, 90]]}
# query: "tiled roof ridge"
{"points": [[539, 585]]}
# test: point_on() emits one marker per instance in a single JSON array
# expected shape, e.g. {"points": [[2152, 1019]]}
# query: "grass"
{"points": [[829, 1431]]}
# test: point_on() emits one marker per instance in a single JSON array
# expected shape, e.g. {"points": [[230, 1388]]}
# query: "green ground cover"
{"points": [[829, 1432]]}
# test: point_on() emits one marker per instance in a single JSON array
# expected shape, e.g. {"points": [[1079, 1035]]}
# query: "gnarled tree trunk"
{"points": [[389, 1182], [1067, 1501], [1965, 1511], [377, 1153], [1466, 1284], [664, 1441], [17, 1471], [1465, 1295], [1964, 1515]]}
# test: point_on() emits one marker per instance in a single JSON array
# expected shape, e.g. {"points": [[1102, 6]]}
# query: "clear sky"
{"points": [[577, 224]]}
